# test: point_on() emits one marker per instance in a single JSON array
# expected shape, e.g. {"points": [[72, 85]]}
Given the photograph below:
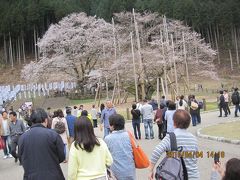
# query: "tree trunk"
{"points": [[236, 45], [216, 41], [5, 49], [23, 50], [35, 46], [231, 61], [19, 51], [10, 50]]}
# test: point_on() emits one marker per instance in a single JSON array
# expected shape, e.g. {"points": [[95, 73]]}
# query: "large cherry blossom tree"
{"points": [[86, 49]]}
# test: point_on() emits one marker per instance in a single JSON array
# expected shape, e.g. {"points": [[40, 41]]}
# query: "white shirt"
{"points": [[184, 105], [94, 113], [169, 117]]}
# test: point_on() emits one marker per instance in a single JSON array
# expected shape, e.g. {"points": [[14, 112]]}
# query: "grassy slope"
{"points": [[227, 130]]}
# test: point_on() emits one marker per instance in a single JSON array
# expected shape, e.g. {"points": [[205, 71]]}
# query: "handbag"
{"points": [[2, 144], [140, 158]]}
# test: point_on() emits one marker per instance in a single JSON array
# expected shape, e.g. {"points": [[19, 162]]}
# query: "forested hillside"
{"points": [[24, 21]]}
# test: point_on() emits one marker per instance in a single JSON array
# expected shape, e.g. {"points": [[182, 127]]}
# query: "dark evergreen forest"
{"points": [[24, 21]]}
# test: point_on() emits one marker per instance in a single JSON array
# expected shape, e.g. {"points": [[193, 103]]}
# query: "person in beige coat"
{"points": [[65, 134]]}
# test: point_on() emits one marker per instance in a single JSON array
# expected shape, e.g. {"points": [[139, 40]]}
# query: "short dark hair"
{"points": [[84, 113], [3, 112], [163, 97], [74, 107], [134, 106], [68, 111], [84, 134], [162, 106], [60, 113], [236, 89], [171, 105], [93, 106], [13, 113], [117, 121], [181, 119], [221, 91], [232, 169], [38, 116], [145, 100]]}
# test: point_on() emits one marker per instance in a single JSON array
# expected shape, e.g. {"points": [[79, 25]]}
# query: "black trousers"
{"points": [[160, 131], [95, 123], [221, 107], [227, 107]]}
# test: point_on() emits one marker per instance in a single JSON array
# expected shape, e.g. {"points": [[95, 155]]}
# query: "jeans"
{"points": [[7, 148], [136, 128], [194, 119], [198, 116], [106, 131], [237, 108], [148, 126], [14, 144]]}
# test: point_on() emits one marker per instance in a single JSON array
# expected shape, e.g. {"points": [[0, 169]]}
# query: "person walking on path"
{"points": [[226, 98], [182, 104], [61, 122], [159, 120], [94, 116], [185, 140], [89, 156], [222, 104], [193, 104], [147, 113], [119, 145], [16, 128], [236, 101], [136, 115], [106, 113], [41, 150], [70, 122], [169, 116], [5, 134]]}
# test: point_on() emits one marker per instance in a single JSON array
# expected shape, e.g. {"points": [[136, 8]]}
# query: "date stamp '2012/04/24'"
{"points": [[195, 154]]}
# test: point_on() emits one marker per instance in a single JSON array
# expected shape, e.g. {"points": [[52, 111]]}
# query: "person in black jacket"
{"points": [[236, 101], [41, 150], [222, 104], [136, 120]]}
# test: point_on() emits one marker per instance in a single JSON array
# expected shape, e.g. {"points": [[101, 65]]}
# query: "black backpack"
{"points": [[235, 98], [172, 168]]}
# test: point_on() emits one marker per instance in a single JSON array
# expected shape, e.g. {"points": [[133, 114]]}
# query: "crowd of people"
{"points": [[48, 139]]}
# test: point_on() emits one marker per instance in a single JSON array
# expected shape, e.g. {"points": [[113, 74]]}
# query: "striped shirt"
{"points": [[189, 144]]}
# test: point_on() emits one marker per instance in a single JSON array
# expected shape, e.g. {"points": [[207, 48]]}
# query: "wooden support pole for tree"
{"points": [[185, 60], [165, 64], [142, 74], [163, 89], [134, 69], [174, 64]]}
